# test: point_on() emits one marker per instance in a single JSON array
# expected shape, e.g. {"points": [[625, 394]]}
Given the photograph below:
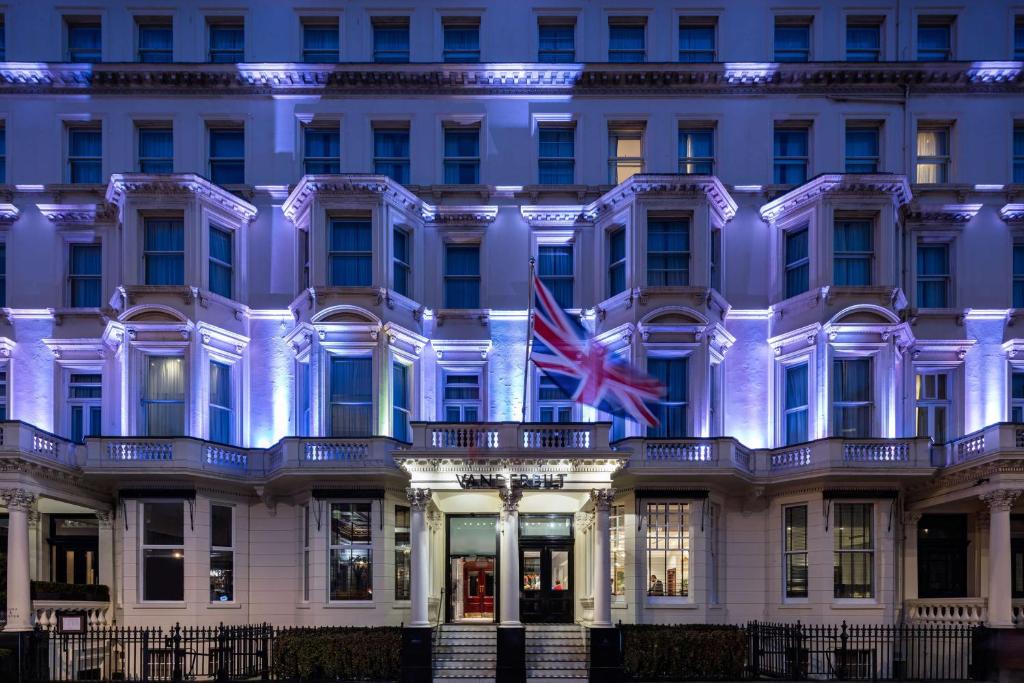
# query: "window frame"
{"points": [[840, 220], [943, 162], [1017, 157], [655, 218], [398, 264], [786, 411], [1017, 276], [143, 547], [159, 22], [144, 402], [409, 367], [927, 20], [329, 403], [948, 278], [793, 21], [864, 21], [628, 21], [689, 129], [319, 22], [611, 233], [555, 405], [305, 541], [224, 549], [457, 55], [558, 242], [848, 404], [542, 160], [73, 277], [459, 161], [142, 127], [625, 130], [854, 125], [685, 537], [406, 557], [71, 128], [146, 252], [791, 160], [332, 164], [87, 404], [73, 22], [788, 266], [366, 257], [871, 552], [216, 22], [366, 547], [390, 23], [689, 408], [447, 277], [213, 127], [697, 22], [219, 263], [405, 162], [479, 402], [930, 403], [556, 21], [230, 410], [789, 553]]}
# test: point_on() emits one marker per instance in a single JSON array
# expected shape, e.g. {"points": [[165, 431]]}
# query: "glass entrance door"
{"points": [[546, 591]]}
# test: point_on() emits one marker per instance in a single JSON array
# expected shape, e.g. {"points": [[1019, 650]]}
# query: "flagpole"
{"points": [[529, 335]]}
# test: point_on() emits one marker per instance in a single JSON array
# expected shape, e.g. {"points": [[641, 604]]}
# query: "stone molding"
{"points": [[18, 499], [419, 499], [122, 185], [602, 499], [510, 499], [1000, 500], [841, 184]]}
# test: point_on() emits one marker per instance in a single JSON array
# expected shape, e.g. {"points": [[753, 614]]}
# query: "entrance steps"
{"points": [[466, 653], [556, 653]]}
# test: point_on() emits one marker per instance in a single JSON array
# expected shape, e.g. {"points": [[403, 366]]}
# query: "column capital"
{"points": [[419, 499], [984, 519], [1000, 500], [602, 499], [584, 521], [105, 519], [18, 499], [34, 517], [510, 499], [910, 519]]}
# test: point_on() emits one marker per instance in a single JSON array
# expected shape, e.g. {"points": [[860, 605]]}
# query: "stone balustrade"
{"points": [[961, 611], [47, 612], [1003, 437]]}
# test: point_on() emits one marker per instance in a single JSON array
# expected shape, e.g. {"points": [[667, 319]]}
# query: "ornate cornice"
{"points": [[78, 214], [944, 214], [517, 78], [18, 499], [419, 499], [1012, 213], [709, 187], [146, 184], [510, 499], [459, 215], [1000, 500], [893, 185], [300, 198], [556, 215], [8, 213], [105, 519]]}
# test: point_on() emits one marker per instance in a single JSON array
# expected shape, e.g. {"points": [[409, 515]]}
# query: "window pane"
{"points": [[673, 374], [792, 43], [163, 523], [390, 43], [164, 400], [163, 575], [557, 43], [351, 253], [351, 396], [320, 43]]}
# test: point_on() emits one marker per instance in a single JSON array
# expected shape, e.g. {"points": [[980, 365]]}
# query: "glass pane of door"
{"points": [[559, 570], [531, 570]]}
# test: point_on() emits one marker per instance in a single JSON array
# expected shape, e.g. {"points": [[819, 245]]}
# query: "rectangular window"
{"points": [[852, 253], [402, 248], [227, 41], [350, 253], [3, 143], [85, 282], [668, 252], [461, 40], [715, 258], [3, 38], [222, 553], [321, 146], [3, 392], [221, 258], [862, 148], [617, 531], [934, 403], [798, 262], [668, 549], [852, 401], [164, 251], [390, 40], [933, 154], [934, 39], [462, 276], [794, 554], [863, 39], [302, 399], [351, 569], [933, 275], [163, 396], [556, 157], [320, 41], [163, 551], [391, 152], [854, 550], [1018, 275], [792, 39], [156, 40], [553, 405], [627, 39], [85, 154], [625, 151], [222, 414], [227, 155], [401, 390], [403, 553], [796, 405], [3, 276], [556, 40], [85, 405], [673, 374], [351, 390], [84, 36], [1016, 397], [791, 155], [156, 149], [462, 397], [1018, 154], [555, 268], [306, 521], [461, 154], [1018, 55], [696, 40], [616, 261], [697, 151], [714, 554]]}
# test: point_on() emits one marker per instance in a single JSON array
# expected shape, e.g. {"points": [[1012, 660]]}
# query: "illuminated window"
{"points": [[163, 397], [625, 151], [351, 554], [932, 154], [668, 550], [854, 555], [222, 553], [462, 396], [163, 551], [403, 554], [617, 530], [794, 554], [934, 405]]}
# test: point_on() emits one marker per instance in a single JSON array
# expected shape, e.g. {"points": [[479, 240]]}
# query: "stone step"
{"points": [[557, 663], [465, 649], [460, 640], [469, 627], [567, 639], [560, 679], [485, 657], [565, 671], [465, 678], [551, 649], [464, 666]]}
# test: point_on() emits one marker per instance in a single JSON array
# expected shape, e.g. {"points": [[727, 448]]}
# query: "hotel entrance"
{"points": [[472, 568], [545, 568]]}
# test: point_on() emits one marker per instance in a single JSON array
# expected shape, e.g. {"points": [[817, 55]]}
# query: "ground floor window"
{"points": [[854, 557], [222, 553], [668, 549], [163, 551], [351, 554], [794, 551], [617, 524], [403, 553]]}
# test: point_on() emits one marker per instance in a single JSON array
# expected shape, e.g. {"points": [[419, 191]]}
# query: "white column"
{"points": [[105, 549], [910, 520], [19, 503], [1000, 607], [419, 589], [602, 499], [35, 542], [509, 596]]}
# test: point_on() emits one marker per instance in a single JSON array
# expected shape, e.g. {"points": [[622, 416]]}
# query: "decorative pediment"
{"points": [[220, 340], [942, 350], [78, 214], [679, 185], [864, 314], [458, 349], [404, 339], [122, 186], [939, 215], [557, 216], [6, 347], [345, 314], [152, 314], [892, 185], [795, 339], [296, 206]]}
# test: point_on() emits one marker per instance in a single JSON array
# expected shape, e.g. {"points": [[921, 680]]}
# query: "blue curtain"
{"points": [[221, 407], [862, 150], [557, 43], [1018, 276], [400, 400], [391, 154], [696, 144], [3, 287], [164, 401], [320, 43], [616, 264], [668, 253], [351, 257], [626, 43], [852, 262], [790, 149], [461, 44], [220, 261], [466, 144], [227, 44], [796, 404], [933, 43], [156, 44], [797, 276], [1018, 155], [792, 43], [156, 150], [462, 276], [851, 396], [555, 268], [351, 397], [696, 44], [84, 42], [3, 140], [671, 372], [86, 285], [932, 271], [557, 152], [165, 252], [403, 262], [322, 150], [227, 156], [85, 150], [863, 43], [391, 44]]}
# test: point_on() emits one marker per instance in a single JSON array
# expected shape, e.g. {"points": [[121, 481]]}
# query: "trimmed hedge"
{"points": [[344, 654], [683, 652], [49, 590]]}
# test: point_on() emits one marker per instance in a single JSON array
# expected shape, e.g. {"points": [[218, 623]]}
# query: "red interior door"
{"points": [[478, 583]]}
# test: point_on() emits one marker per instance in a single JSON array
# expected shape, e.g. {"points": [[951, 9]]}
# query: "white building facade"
{"points": [[264, 277]]}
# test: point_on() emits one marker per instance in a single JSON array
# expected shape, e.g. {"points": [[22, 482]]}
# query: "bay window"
{"points": [[222, 414], [164, 251], [85, 405], [933, 275], [795, 404], [852, 253], [794, 552], [351, 554], [163, 396], [403, 553], [854, 555], [3, 390], [934, 405], [222, 553], [852, 402], [351, 393], [797, 261], [555, 268], [462, 276], [350, 253], [221, 258], [163, 551], [402, 262], [462, 397], [1018, 275], [85, 281], [672, 417], [616, 261], [401, 390], [668, 252], [668, 550], [1018, 153]]}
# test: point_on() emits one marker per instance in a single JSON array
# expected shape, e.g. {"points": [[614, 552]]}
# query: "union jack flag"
{"points": [[584, 369]]}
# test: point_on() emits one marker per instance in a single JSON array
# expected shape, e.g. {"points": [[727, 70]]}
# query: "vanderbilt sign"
{"points": [[516, 481]]}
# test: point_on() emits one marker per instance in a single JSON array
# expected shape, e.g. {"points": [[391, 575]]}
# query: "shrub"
{"points": [[346, 654], [684, 652]]}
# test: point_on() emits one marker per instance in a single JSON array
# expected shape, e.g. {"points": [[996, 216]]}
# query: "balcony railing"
{"points": [[24, 438], [170, 453], [1002, 437], [508, 436]]}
